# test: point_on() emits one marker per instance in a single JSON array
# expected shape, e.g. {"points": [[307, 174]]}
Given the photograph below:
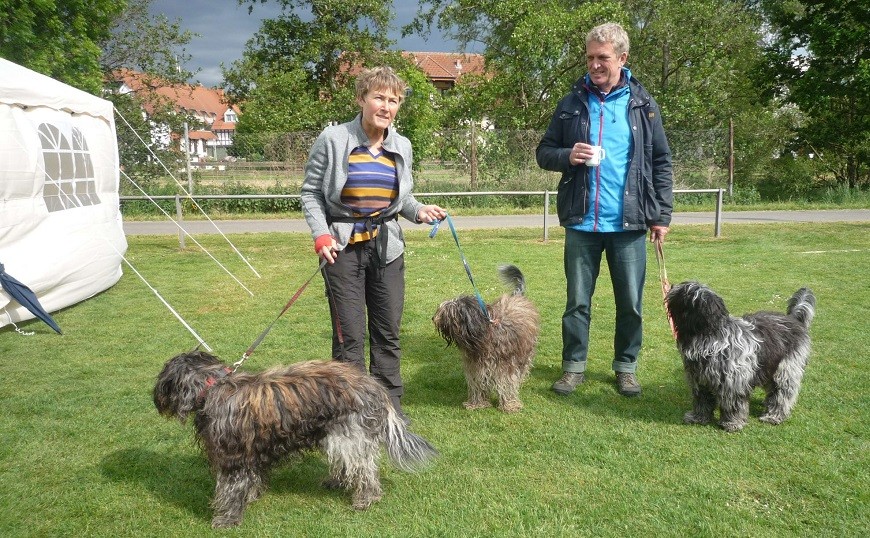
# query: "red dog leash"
{"points": [[292, 300]]}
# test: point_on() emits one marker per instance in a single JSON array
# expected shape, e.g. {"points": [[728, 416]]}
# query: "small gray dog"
{"points": [[497, 352], [249, 422], [726, 357]]}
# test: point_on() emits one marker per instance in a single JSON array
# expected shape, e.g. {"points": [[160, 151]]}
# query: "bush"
{"points": [[787, 178]]}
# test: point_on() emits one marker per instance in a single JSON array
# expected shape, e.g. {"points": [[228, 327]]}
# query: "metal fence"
{"points": [[545, 208], [471, 159]]}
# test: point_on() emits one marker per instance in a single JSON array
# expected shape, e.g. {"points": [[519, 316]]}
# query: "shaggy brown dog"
{"points": [[497, 352], [246, 423]]}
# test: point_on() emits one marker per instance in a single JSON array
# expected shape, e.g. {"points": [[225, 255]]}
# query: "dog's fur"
{"points": [[726, 357], [246, 423], [497, 355]]}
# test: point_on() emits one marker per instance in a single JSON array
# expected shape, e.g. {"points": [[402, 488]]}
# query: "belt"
{"points": [[371, 222]]}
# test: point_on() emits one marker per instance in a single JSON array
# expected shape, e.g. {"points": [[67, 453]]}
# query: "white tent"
{"points": [[60, 226]]}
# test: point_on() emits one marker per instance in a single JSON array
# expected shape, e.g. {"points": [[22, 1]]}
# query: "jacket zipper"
{"points": [[598, 168]]}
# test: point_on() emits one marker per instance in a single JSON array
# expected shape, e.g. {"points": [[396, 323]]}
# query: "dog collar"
{"points": [[209, 382]]}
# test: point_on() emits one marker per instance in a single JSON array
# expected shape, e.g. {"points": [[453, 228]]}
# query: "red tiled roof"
{"points": [[221, 125], [438, 66], [201, 135], [208, 102], [446, 65]]}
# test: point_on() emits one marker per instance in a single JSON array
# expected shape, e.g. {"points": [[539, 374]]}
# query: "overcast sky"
{"points": [[224, 27]]}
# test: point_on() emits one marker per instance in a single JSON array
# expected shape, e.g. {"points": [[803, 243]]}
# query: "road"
{"points": [[194, 227]]}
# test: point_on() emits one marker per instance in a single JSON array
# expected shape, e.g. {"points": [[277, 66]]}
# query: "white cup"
{"points": [[598, 155]]}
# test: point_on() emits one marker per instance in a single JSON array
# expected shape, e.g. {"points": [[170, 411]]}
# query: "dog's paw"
{"points": [[332, 483], [732, 426], [771, 419], [511, 407], [477, 405], [363, 502], [692, 418], [223, 522]]}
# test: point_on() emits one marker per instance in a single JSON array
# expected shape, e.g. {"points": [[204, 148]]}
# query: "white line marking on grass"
{"points": [[832, 251]]}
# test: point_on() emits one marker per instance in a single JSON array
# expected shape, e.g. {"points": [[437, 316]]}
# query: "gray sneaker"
{"points": [[626, 384], [568, 382]]}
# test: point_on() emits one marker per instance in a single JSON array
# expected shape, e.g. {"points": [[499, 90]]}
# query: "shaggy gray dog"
{"points": [[726, 357], [496, 354], [247, 423]]}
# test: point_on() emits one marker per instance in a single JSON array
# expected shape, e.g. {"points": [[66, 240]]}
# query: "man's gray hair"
{"points": [[612, 33]]}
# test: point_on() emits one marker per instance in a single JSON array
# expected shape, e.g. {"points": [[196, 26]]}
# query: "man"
{"points": [[607, 208]]}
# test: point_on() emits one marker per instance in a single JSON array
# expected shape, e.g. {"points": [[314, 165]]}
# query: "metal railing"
{"points": [[717, 227]]}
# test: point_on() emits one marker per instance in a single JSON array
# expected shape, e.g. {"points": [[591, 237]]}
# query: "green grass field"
{"points": [[84, 453]]}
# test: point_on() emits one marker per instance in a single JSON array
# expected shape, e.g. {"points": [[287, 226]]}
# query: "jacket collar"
{"points": [[362, 139], [638, 93]]}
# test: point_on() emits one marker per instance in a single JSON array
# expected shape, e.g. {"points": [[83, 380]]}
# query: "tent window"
{"points": [[69, 172]]}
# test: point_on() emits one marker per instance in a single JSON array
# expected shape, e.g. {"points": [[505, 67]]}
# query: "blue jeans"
{"points": [[626, 260]]}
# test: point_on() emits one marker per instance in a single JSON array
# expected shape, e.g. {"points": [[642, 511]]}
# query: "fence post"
{"points": [[178, 220], [718, 225], [187, 159], [546, 215], [730, 157]]}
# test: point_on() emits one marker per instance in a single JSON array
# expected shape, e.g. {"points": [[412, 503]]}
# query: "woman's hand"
{"points": [[325, 247], [430, 213]]}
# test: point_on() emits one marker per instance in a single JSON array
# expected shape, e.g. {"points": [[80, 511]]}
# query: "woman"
{"points": [[357, 181]]}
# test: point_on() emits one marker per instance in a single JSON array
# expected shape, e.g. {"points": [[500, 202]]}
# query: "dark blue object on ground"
{"points": [[25, 298]]}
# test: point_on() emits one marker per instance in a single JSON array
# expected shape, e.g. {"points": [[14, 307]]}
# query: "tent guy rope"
{"points": [[187, 194], [180, 227]]}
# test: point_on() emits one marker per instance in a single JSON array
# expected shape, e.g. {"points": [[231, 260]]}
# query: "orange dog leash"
{"points": [[666, 285]]}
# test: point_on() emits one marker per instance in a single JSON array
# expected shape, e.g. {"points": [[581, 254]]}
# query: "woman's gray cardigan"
{"points": [[326, 174]]}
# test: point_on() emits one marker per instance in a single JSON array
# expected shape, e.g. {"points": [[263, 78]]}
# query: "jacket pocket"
{"points": [[571, 195], [570, 118]]}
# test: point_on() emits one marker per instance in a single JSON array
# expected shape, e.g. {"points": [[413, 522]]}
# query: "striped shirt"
{"points": [[372, 184]]}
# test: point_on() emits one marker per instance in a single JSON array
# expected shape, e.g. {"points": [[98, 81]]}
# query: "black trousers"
{"points": [[365, 295]]}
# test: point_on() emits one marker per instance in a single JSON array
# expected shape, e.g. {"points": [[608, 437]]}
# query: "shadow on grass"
{"points": [[663, 401], [180, 480], [184, 481]]}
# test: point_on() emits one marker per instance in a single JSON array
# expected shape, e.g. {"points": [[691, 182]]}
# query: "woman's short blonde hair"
{"points": [[380, 78], [612, 33]]}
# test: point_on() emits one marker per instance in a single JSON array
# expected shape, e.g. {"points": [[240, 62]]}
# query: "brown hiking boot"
{"points": [[626, 384], [568, 382]]}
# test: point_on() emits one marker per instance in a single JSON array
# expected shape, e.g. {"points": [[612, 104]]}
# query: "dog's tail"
{"points": [[802, 306], [409, 451], [513, 277]]}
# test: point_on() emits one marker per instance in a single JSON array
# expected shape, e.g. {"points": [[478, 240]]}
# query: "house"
{"points": [[444, 69], [216, 119]]}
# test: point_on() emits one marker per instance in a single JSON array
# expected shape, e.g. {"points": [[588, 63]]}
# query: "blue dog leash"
{"points": [[432, 233]]}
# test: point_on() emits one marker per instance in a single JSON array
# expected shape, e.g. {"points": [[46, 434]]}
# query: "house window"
{"points": [[230, 116], [69, 172]]}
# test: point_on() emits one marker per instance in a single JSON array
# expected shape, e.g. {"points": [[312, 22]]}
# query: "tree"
{"points": [[695, 57], [58, 38], [152, 45], [339, 33], [689, 53], [820, 61], [298, 74], [154, 48], [534, 51]]}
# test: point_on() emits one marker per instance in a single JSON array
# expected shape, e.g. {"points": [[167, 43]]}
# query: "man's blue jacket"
{"points": [[648, 198]]}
